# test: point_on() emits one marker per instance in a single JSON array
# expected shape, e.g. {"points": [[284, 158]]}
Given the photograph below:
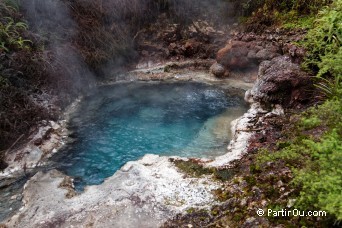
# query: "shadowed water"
{"points": [[122, 122]]}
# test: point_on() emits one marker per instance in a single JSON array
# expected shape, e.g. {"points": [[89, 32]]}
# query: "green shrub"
{"points": [[311, 122], [313, 147], [316, 163], [329, 114], [290, 14], [247, 7], [324, 42], [293, 20], [321, 179]]}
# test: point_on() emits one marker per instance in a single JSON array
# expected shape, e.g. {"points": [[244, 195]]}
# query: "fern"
{"points": [[10, 34], [330, 87], [324, 41]]}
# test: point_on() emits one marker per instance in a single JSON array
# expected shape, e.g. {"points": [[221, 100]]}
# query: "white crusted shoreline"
{"points": [[142, 193]]}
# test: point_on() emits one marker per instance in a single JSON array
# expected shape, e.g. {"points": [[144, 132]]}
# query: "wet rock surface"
{"points": [[280, 81]]}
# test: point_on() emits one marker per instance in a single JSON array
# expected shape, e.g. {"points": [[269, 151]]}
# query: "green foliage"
{"points": [[311, 122], [329, 113], [251, 181], [322, 174], [331, 88], [22, 70], [293, 20], [307, 7], [192, 168], [300, 6], [321, 179], [11, 31], [195, 169], [324, 42], [290, 14], [316, 163]]}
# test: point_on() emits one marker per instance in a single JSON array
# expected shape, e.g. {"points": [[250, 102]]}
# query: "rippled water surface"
{"points": [[122, 122]]}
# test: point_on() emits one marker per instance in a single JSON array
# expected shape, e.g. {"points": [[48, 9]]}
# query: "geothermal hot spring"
{"points": [[122, 122]]}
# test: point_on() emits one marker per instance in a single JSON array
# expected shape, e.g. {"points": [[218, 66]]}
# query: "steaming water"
{"points": [[123, 122]]}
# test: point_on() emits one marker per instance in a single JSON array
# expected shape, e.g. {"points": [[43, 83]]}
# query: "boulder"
{"points": [[266, 54], [234, 55], [217, 69], [280, 81]]}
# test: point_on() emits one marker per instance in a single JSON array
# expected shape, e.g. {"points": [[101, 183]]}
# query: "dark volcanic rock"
{"points": [[266, 54], [297, 53], [280, 81]]}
